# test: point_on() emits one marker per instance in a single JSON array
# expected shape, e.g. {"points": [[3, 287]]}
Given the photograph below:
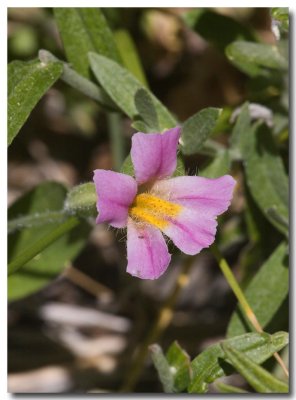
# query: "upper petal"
{"points": [[154, 155], [210, 197], [147, 251], [115, 193]]}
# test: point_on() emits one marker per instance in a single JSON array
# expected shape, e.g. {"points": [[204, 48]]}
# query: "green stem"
{"points": [[78, 82], [160, 324], [236, 288], [43, 242], [30, 221], [242, 299], [117, 140]]}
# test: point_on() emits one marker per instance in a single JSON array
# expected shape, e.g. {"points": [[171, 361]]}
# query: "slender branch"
{"points": [[160, 324], [37, 219], [241, 298]]}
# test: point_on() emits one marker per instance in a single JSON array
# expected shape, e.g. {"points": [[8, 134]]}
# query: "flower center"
{"points": [[152, 209]]}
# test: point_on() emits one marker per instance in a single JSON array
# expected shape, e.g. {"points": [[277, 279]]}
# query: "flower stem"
{"points": [[160, 324], [241, 298]]}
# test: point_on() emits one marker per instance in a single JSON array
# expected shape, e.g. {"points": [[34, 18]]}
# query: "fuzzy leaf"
{"points": [[197, 129], [209, 365], [146, 109], [265, 293], [27, 83], [219, 166], [43, 268], [253, 57], [122, 87], [261, 380], [225, 31], [84, 30]]}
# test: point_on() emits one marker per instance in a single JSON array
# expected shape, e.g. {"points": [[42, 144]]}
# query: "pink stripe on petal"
{"points": [[154, 155], [147, 251], [115, 193], [210, 197], [191, 232]]}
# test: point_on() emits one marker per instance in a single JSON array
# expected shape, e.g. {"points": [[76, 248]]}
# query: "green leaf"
{"points": [[122, 87], [197, 129], [146, 109], [209, 366], [46, 265], [216, 28], [179, 362], [251, 57], [219, 166], [127, 167], [260, 379], [163, 368], [129, 55], [266, 176], [27, 83], [84, 30], [77, 81], [225, 388], [264, 168], [265, 293]]}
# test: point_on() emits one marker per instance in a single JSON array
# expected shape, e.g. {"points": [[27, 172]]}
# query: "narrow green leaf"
{"points": [[146, 109], [266, 176], [179, 362], [260, 379], [251, 57], [163, 368], [45, 248], [265, 293], [216, 28], [140, 126], [225, 388], [219, 166], [27, 83], [84, 30], [241, 130], [122, 87], [197, 129], [209, 366], [129, 55], [127, 167], [77, 81]]}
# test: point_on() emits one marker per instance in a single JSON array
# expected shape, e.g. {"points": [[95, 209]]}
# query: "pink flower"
{"points": [[183, 208]]}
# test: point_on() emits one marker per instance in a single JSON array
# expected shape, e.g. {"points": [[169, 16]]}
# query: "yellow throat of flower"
{"points": [[153, 210]]}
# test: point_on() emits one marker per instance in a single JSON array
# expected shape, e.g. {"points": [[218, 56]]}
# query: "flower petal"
{"points": [[115, 193], [191, 232], [210, 197], [147, 251], [154, 155]]}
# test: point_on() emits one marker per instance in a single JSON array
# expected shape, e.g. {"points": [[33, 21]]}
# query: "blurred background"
{"points": [[77, 333]]}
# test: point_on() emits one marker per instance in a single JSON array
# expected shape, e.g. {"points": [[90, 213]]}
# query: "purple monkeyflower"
{"points": [[182, 208]]}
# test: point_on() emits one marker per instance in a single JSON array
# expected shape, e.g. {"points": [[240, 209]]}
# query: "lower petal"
{"points": [[191, 232], [147, 251]]}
